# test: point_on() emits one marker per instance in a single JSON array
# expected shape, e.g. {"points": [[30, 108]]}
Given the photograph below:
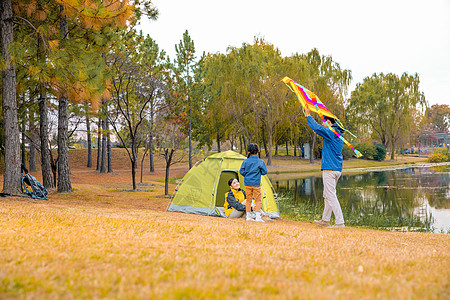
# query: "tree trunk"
{"points": [[99, 143], [269, 146], [150, 147], [22, 145], [133, 162], [295, 146], [264, 140], [54, 166], [64, 184], [190, 134], [89, 144], [302, 149], [392, 150], [287, 148], [168, 158], [311, 149], [108, 146], [240, 144], [142, 162], [46, 168], [32, 160], [103, 159], [150, 139], [218, 141], [133, 173], [276, 148], [11, 178]]}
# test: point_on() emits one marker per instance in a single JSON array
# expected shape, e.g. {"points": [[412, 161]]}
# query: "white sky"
{"points": [[364, 36]]}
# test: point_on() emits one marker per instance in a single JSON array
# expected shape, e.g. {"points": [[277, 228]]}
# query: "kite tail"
{"points": [[357, 153], [342, 126]]}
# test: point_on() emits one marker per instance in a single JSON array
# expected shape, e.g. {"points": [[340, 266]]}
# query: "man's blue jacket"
{"points": [[332, 145]]}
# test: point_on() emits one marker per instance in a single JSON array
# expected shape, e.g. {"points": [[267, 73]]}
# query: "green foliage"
{"points": [[439, 155], [385, 104], [367, 150], [439, 117], [373, 151], [347, 152], [381, 152]]}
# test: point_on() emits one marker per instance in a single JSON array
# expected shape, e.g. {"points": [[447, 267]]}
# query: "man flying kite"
{"points": [[333, 142]]}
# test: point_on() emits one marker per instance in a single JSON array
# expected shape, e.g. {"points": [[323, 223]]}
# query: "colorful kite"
{"points": [[306, 97]]}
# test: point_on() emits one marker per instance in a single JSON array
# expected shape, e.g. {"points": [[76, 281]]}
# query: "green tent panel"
{"points": [[203, 188]]}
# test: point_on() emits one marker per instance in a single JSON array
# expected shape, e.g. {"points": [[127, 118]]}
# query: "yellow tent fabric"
{"points": [[203, 187]]}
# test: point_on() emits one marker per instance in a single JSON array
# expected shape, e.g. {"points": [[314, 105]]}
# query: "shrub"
{"points": [[439, 155], [347, 152], [367, 150], [380, 152]]}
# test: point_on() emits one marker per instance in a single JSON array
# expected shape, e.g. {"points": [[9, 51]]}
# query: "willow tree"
{"points": [[320, 74], [270, 103], [213, 118], [385, 102], [229, 93]]}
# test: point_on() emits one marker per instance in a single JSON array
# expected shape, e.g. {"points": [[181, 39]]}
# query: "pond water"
{"points": [[410, 199]]}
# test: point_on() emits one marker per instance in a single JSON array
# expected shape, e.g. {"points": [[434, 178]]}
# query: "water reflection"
{"points": [[402, 199]]}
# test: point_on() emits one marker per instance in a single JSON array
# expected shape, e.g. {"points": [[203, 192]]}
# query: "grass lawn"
{"points": [[104, 241]]}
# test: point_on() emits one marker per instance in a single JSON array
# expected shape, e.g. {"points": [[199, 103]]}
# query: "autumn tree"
{"points": [[212, 121], [384, 102], [438, 115], [54, 67], [324, 76], [130, 101]]}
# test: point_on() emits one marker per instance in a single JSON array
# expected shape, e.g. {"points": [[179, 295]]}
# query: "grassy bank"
{"points": [[105, 241], [57, 252]]}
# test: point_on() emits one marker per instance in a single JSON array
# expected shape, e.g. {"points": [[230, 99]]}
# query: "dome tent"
{"points": [[203, 188]]}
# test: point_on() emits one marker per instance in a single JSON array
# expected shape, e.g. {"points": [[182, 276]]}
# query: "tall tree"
{"points": [[64, 184], [154, 65], [438, 115], [11, 179], [185, 66], [385, 102], [88, 134], [129, 105]]}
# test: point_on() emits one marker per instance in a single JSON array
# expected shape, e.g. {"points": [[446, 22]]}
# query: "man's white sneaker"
{"points": [[250, 219], [322, 223], [337, 226]]}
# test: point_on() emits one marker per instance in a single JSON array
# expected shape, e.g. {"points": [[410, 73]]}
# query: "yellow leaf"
{"points": [[53, 44]]}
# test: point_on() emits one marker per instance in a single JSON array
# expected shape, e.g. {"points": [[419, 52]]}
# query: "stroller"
{"points": [[31, 186]]}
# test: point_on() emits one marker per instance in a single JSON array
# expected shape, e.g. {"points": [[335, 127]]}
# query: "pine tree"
{"points": [[11, 179], [185, 65]]}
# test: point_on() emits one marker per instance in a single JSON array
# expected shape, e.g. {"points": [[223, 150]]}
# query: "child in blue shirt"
{"points": [[252, 168]]}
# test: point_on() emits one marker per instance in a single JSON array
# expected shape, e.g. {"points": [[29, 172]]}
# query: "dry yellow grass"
{"points": [[101, 242], [88, 252]]}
